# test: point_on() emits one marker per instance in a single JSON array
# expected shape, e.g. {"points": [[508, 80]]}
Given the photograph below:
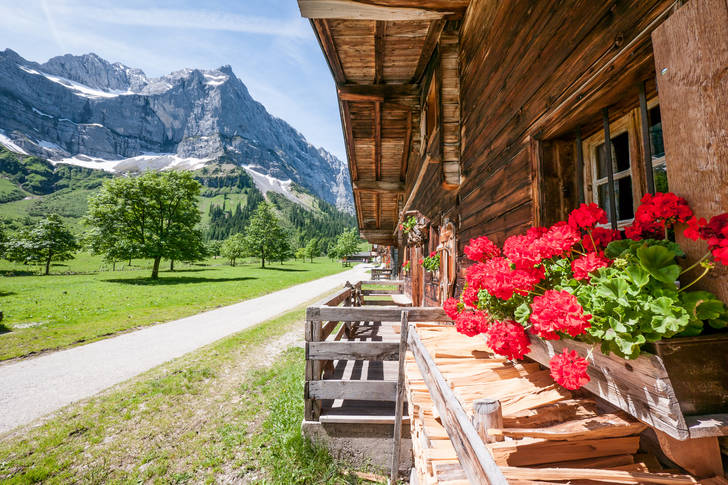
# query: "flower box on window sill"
{"points": [[681, 389]]}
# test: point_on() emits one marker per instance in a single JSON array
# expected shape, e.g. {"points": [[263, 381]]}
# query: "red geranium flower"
{"points": [[558, 311], [657, 213], [471, 323], [481, 249], [523, 251], [470, 296], [451, 307], [600, 237], [695, 227], [433, 253], [559, 239], [508, 338], [569, 370], [587, 216], [581, 267], [476, 274]]}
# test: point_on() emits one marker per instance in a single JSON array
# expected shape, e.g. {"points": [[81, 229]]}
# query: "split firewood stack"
{"points": [[547, 434]]}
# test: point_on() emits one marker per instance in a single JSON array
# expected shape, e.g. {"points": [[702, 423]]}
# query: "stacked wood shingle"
{"points": [[548, 434]]}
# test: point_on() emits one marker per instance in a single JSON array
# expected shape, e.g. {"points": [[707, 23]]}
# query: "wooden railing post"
{"points": [[487, 414], [312, 407], [399, 401]]}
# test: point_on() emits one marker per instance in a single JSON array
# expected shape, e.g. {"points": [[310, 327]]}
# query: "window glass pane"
{"points": [[656, 145], [620, 155], [659, 174], [623, 197]]}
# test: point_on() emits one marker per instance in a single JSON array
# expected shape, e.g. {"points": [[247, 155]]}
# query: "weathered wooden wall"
{"points": [[521, 62], [691, 56]]}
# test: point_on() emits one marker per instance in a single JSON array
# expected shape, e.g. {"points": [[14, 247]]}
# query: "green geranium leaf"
{"points": [[703, 305], [522, 312], [638, 275], [659, 262], [616, 248]]}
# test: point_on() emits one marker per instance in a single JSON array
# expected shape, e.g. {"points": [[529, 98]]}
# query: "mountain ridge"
{"points": [[84, 110]]}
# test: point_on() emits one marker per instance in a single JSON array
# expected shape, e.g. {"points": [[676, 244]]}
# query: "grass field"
{"points": [[91, 302], [229, 412]]}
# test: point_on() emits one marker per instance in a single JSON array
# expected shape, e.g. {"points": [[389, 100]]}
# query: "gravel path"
{"points": [[34, 387]]}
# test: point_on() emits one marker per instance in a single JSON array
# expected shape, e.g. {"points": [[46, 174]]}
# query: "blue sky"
{"points": [[271, 49]]}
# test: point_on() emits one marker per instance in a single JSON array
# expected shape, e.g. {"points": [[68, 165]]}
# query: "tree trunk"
{"points": [[262, 259], [113, 266], [130, 261], [155, 268], [48, 265], [171, 264]]}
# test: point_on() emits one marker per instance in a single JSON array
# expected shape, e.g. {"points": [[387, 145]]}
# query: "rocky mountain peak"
{"points": [[87, 111]]}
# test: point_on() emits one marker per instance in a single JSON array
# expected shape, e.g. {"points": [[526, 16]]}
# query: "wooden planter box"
{"points": [[644, 387]]}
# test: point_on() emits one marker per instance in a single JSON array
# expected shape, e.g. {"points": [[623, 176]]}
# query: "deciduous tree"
{"points": [[313, 249], [233, 248], [264, 233], [156, 214], [48, 240]]}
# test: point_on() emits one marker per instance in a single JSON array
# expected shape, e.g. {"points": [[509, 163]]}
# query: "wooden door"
{"points": [[691, 64]]}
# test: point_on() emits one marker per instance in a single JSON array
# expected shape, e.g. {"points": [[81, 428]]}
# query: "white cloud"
{"points": [[187, 19]]}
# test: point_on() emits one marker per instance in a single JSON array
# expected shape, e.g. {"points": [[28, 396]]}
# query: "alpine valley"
{"points": [[71, 122]]}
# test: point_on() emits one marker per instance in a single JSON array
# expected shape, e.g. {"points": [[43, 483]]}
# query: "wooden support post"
{"points": [[699, 456], [404, 326], [610, 170], [312, 407], [487, 414], [646, 148], [579, 166]]}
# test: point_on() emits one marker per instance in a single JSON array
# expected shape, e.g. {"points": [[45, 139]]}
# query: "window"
{"points": [[629, 167], [657, 147]]}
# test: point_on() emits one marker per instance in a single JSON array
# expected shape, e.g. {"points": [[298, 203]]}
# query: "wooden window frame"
{"points": [[628, 123]]}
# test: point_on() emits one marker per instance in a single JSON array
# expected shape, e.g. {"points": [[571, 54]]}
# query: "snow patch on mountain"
{"points": [[10, 145], [141, 163]]}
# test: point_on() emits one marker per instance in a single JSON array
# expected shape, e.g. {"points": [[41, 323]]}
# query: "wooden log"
{"points": [[472, 453], [529, 451], [603, 426], [699, 456], [360, 390], [558, 474], [357, 10], [399, 401], [488, 416], [376, 351]]}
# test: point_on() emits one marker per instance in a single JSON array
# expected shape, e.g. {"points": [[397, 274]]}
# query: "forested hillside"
{"points": [[31, 187]]}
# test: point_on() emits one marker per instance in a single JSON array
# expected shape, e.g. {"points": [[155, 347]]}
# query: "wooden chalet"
{"points": [[484, 117]]}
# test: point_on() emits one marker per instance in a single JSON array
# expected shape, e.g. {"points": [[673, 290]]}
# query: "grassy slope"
{"points": [[64, 310], [205, 417]]}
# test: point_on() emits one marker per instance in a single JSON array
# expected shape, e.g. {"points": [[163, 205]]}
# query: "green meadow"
{"points": [[84, 300]]}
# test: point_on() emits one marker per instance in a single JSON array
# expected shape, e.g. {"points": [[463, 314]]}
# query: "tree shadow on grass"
{"points": [[6, 293], [15, 272], [274, 268], [188, 270], [181, 280]]}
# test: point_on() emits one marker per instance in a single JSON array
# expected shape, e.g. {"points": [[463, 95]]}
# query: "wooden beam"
{"points": [[349, 134], [378, 186], [379, 34], [433, 36], [357, 203], [380, 9], [377, 314], [405, 94], [360, 390], [378, 140], [326, 41], [406, 148], [378, 210], [418, 182], [352, 350]]}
